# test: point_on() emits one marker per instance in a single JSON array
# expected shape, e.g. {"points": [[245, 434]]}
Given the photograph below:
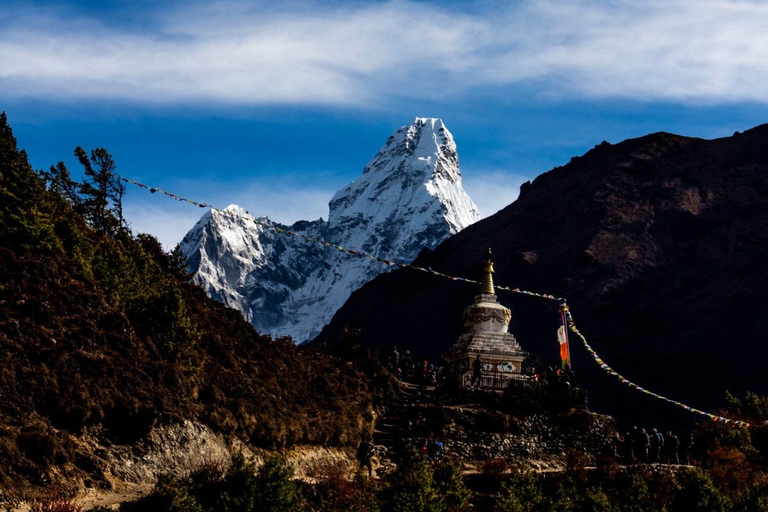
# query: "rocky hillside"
{"points": [[101, 335], [409, 197], [659, 243]]}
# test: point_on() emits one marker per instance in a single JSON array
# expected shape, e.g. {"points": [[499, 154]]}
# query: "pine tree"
{"points": [[25, 204], [60, 181], [102, 191]]}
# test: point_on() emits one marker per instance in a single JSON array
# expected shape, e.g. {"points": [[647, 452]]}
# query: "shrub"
{"points": [[242, 490], [521, 493], [594, 500], [633, 494], [450, 481], [275, 488], [208, 472], [495, 470], [205, 482], [44, 446], [756, 500], [169, 495], [414, 487], [236, 492], [56, 505], [337, 493], [698, 494]]}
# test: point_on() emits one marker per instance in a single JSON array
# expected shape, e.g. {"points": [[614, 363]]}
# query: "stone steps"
{"points": [[390, 426]]}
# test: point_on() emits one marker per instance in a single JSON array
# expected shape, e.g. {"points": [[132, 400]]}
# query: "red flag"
{"points": [[562, 338]]}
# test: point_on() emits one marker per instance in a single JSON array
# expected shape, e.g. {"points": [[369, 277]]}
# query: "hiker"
{"points": [[365, 453], [657, 443], [424, 374], [617, 445], [477, 371], [395, 360], [407, 365], [435, 450], [671, 447], [642, 443], [629, 448], [659, 446]]}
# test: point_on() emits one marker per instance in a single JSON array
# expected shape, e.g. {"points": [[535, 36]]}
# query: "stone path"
{"points": [[392, 426]]}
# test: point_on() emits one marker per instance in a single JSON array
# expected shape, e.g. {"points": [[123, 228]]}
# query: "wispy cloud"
{"points": [[369, 54], [228, 53], [689, 50]]}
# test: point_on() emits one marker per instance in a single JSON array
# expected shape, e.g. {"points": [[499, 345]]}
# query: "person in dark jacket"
{"points": [[671, 448], [477, 371], [628, 452], [657, 445], [642, 445], [365, 454]]}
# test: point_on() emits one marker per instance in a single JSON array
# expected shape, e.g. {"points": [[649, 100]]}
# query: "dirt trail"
{"points": [[308, 461]]}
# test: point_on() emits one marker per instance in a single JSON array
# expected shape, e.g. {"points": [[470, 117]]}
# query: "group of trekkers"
{"points": [[654, 447], [407, 369], [550, 375], [422, 372], [432, 449]]}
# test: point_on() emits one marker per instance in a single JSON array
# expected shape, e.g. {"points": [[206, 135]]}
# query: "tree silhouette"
{"points": [[101, 191]]}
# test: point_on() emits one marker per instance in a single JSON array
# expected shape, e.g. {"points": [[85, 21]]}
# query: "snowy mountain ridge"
{"points": [[409, 197]]}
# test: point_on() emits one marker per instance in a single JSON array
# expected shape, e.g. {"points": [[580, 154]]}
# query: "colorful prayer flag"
{"points": [[562, 338]]}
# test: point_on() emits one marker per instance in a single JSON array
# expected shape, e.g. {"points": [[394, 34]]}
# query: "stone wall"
{"points": [[541, 440]]}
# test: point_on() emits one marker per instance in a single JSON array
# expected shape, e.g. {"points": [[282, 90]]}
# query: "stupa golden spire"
{"points": [[486, 287]]}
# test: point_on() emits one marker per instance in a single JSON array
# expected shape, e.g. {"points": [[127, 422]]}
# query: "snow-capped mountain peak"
{"points": [[408, 197], [423, 143]]}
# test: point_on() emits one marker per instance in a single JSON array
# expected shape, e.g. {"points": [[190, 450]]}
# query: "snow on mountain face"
{"points": [[408, 197], [250, 267]]}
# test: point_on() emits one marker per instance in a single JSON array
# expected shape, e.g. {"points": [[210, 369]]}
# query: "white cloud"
{"points": [[367, 54], [699, 50], [233, 56]]}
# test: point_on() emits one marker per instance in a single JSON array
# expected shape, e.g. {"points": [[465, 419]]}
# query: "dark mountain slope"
{"points": [[103, 332], [659, 243]]}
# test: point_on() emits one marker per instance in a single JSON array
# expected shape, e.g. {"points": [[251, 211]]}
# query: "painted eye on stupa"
{"points": [[506, 366]]}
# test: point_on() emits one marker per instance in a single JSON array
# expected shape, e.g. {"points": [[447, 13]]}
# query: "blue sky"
{"points": [[275, 108]]}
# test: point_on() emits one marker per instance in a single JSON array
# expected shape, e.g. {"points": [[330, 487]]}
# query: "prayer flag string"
{"points": [[604, 366], [571, 324]]}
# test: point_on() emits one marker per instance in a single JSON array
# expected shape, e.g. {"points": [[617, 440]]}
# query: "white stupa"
{"points": [[487, 355]]}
